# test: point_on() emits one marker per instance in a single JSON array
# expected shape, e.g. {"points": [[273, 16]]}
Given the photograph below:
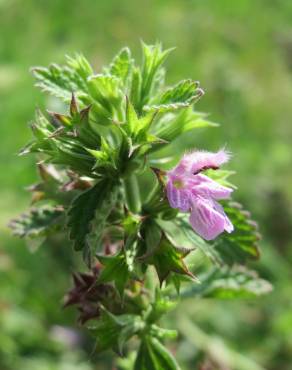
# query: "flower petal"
{"points": [[198, 161], [205, 218], [206, 187], [178, 198], [228, 225]]}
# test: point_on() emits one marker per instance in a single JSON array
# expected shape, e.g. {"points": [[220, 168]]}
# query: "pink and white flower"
{"points": [[191, 191]]}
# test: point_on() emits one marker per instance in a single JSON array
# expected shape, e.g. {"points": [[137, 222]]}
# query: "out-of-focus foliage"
{"points": [[241, 53]]}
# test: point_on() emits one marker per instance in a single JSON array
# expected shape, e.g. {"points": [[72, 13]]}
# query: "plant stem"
{"points": [[132, 193]]}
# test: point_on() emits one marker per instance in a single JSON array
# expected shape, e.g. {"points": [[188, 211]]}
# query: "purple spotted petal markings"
{"points": [[191, 191]]}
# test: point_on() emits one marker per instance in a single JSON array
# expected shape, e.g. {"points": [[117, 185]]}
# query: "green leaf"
{"points": [[182, 232], [115, 269], [152, 355], [106, 157], [229, 283], [121, 65], [61, 81], [137, 127], [157, 203], [172, 125], [242, 244], [65, 143], [80, 65], [114, 331], [38, 222], [153, 58], [88, 213], [167, 258], [173, 100], [180, 93], [135, 91], [132, 119], [41, 129], [105, 90], [153, 235], [177, 281], [237, 282]]}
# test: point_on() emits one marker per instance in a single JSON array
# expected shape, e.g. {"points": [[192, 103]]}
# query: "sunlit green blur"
{"points": [[241, 52]]}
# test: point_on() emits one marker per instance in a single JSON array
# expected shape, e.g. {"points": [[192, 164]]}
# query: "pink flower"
{"points": [[189, 190]]}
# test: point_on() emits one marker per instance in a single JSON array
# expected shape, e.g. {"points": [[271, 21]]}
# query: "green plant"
{"points": [[106, 184]]}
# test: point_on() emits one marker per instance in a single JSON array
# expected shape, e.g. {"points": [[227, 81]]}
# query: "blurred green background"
{"points": [[241, 52]]}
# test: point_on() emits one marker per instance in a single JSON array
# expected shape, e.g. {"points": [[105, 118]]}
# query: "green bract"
{"points": [[100, 188]]}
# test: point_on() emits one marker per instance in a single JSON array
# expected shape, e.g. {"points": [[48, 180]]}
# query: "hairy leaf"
{"points": [[113, 331], [153, 58], [116, 269], [38, 222], [228, 283], [105, 90], [121, 65], [171, 125], [180, 93], [167, 258], [88, 213], [172, 105], [61, 81]]}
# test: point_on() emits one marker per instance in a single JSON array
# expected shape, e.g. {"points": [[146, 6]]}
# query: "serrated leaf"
{"points": [[175, 105], [65, 145], [181, 92], [135, 90], [61, 81], [106, 157], [121, 64], [113, 331], [167, 258], [177, 281], [38, 222], [242, 244], [92, 205], [71, 153], [115, 269], [105, 90], [172, 125], [137, 127], [80, 65], [229, 283], [237, 283], [152, 355], [153, 235], [132, 120], [153, 58]]}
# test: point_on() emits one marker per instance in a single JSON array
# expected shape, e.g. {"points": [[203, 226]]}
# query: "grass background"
{"points": [[241, 52]]}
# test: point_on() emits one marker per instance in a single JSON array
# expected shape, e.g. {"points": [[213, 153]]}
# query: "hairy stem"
{"points": [[132, 193]]}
